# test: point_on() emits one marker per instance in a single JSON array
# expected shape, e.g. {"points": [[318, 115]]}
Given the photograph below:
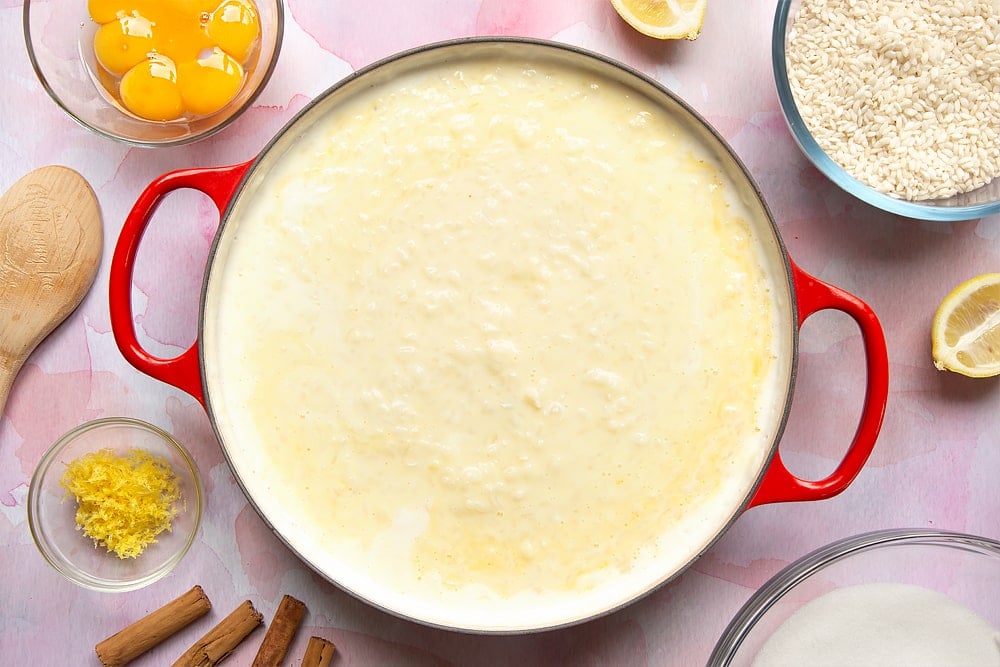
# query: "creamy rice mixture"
{"points": [[493, 336]]}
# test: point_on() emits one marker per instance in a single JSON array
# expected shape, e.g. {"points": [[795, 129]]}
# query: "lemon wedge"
{"points": [[965, 333], [663, 19]]}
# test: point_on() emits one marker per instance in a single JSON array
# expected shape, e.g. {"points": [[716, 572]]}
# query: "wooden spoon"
{"points": [[50, 247]]}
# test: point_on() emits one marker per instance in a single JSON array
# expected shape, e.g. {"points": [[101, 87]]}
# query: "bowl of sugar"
{"points": [[896, 102], [891, 597]]}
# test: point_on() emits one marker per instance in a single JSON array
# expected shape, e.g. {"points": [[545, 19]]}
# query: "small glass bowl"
{"points": [[966, 568], [59, 36], [977, 203], [52, 510]]}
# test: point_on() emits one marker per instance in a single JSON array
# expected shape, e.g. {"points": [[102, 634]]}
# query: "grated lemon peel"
{"points": [[123, 501]]}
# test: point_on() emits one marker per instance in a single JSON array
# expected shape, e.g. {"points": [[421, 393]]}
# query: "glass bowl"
{"points": [[966, 568], [52, 510], [59, 36], [977, 203]]}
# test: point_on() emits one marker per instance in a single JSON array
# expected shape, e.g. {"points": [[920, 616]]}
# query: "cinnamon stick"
{"points": [[223, 639], [280, 633], [319, 653], [132, 641]]}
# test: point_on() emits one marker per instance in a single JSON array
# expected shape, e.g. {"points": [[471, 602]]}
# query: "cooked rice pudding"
{"points": [[497, 336]]}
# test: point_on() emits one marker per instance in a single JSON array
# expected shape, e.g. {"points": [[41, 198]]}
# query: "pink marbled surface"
{"points": [[935, 465]]}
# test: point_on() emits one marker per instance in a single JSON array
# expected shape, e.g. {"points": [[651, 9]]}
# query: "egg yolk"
{"points": [[209, 83], [171, 59], [104, 11], [234, 26], [150, 89], [178, 36], [200, 8], [123, 43]]}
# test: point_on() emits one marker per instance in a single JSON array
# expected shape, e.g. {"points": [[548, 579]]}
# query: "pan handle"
{"points": [[219, 183], [778, 484]]}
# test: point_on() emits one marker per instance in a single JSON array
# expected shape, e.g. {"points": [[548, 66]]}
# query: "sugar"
{"points": [[883, 625]]}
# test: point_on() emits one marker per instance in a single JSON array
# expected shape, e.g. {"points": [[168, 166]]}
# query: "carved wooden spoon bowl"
{"points": [[51, 239]]}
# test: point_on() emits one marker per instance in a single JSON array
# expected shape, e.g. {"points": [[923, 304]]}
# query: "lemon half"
{"points": [[663, 19], [965, 333]]}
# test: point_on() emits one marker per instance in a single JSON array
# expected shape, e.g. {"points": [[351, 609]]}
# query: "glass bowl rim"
{"points": [[790, 576], [279, 26], [68, 569], [825, 164]]}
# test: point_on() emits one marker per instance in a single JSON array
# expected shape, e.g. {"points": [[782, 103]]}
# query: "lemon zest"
{"points": [[123, 502]]}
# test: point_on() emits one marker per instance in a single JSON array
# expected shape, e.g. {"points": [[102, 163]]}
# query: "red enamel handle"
{"points": [[778, 484], [219, 183]]}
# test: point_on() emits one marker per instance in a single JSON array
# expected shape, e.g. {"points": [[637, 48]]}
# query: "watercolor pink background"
{"points": [[935, 465]]}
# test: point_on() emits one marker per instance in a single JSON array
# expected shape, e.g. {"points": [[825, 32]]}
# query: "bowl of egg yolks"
{"points": [[153, 72]]}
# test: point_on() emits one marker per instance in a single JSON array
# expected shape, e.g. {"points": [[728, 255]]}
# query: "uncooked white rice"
{"points": [[903, 94]]}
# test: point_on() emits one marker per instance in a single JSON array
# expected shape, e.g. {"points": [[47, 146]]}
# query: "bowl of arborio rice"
{"points": [[896, 101]]}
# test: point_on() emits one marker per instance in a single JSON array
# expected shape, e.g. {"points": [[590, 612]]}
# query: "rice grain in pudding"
{"points": [[496, 340]]}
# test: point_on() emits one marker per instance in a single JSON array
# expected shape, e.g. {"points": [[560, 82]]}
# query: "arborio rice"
{"points": [[903, 94]]}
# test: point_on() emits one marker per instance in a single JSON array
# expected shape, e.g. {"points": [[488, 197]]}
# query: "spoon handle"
{"points": [[8, 371]]}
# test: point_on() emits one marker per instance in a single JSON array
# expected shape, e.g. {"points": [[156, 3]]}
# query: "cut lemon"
{"points": [[663, 19], [965, 333]]}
